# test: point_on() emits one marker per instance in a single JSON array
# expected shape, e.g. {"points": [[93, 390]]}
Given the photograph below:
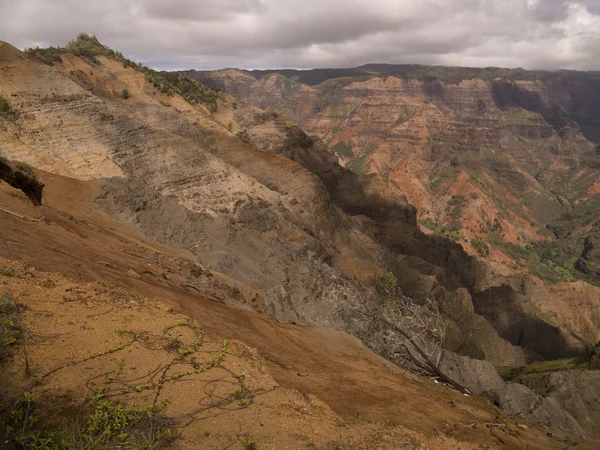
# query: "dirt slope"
{"points": [[73, 238], [9, 53], [255, 215]]}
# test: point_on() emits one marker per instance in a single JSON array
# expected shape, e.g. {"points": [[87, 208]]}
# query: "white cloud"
{"points": [[319, 33]]}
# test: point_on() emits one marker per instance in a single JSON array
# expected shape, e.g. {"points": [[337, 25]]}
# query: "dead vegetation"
{"points": [[414, 332]]}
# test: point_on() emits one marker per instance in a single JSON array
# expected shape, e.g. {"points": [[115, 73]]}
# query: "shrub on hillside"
{"points": [[48, 56], [5, 107], [88, 47]]}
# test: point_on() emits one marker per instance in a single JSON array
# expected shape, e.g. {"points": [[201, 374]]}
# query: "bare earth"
{"points": [[304, 387]]}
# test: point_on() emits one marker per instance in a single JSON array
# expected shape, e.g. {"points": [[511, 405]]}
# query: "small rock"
{"points": [[524, 427], [133, 274], [8, 271]]}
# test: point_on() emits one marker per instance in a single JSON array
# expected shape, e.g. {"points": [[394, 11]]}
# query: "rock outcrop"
{"points": [[21, 176]]}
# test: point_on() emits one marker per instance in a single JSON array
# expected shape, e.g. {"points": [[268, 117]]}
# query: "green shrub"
{"points": [[48, 56], [88, 47], [388, 284], [5, 107], [173, 83], [480, 246], [169, 83]]}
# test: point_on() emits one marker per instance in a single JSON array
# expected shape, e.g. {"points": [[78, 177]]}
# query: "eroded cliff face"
{"points": [[493, 164], [263, 206]]}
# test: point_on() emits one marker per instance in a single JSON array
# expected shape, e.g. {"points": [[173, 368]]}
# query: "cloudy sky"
{"points": [[206, 34]]}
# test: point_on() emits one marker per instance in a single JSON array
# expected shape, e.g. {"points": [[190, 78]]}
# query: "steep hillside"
{"points": [[269, 213], [503, 161], [280, 385]]}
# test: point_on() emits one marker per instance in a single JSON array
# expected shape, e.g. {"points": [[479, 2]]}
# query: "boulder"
{"points": [[21, 176]]}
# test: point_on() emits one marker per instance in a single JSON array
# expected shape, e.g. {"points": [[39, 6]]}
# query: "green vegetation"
{"points": [[456, 203], [48, 56], [250, 444], [453, 235], [433, 182], [5, 107], [357, 165], [566, 195], [431, 224], [540, 369], [388, 284], [173, 83], [88, 47], [109, 425], [109, 417], [10, 325], [344, 149], [481, 247], [536, 375], [548, 261]]}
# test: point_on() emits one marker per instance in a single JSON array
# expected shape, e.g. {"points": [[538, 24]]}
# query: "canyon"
{"points": [[503, 161], [220, 201]]}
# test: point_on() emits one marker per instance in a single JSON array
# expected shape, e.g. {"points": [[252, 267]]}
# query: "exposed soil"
{"points": [[75, 239]]}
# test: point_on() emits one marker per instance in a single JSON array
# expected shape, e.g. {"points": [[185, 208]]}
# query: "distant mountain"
{"points": [[505, 161]]}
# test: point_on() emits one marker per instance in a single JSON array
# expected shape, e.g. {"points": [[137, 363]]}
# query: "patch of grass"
{"points": [[430, 224], [357, 165], [109, 424], [539, 369], [250, 444], [433, 182], [388, 284], [454, 235]]}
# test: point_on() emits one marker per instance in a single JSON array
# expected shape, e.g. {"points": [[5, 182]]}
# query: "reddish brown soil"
{"points": [[81, 242]]}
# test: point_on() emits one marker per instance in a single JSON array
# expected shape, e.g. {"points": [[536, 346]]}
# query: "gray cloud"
{"points": [[177, 34]]}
